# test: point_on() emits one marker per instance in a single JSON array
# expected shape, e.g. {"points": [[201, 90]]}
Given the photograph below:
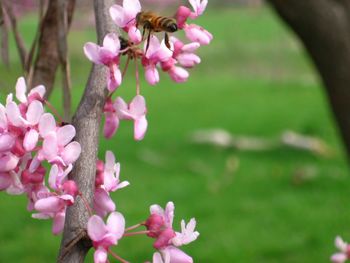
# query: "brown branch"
{"points": [[47, 59], [19, 40], [87, 123], [4, 38], [323, 26]]}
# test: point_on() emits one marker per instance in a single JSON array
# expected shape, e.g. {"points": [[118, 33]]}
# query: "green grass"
{"points": [[254, 80]]}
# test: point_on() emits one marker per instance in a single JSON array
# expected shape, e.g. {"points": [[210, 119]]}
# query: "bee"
{"points": [[152, 22]]}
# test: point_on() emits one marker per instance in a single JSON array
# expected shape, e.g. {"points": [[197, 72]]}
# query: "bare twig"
{"points": [[4, 38], [19, 40], [87, 122]]}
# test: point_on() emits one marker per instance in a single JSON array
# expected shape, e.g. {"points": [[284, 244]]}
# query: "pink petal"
{"points": [[131, 7], [138, 106], [14, 115], [30, 140], [110, 162], [3, 118], [116, 224], [157, 258], [34, 112], [198, 34], [8, 162], [154, 45], [65, 134], [117, 15], [5, 181], [6, 142], [152, 75], [338, 258], [169, 214], [191, 47], [121, 109], [40, 89], [178, 74], [71, 152], [96, 228], [157, 209], [188, 60], [112, 43], [111, 125], [92, 52], [53, 177], [135, 35], [47, 124], [52, 204], [21, 89], [140, 128], [50, 146], [103, 203], [114, 78], [58, 223], [177, 255], [340, 244], [100, 255]]}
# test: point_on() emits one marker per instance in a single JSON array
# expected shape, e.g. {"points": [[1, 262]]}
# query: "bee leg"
{"points": [[146, 26], [148, 40], [166, 40]]}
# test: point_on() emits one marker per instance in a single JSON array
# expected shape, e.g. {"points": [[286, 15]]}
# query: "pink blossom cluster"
{"points": [[159, 227], [344, 251], [29, 137], [152, 56]]}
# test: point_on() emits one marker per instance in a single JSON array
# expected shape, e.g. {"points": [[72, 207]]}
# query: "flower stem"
{"points": [[54, 111], [86, 204], [136, 233], [133, 227], [137, 77], [117, 257]]}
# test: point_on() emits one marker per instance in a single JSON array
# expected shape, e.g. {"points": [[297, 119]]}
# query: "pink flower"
{"points": [[157, 52], [175, 255], [107, 55], [184, 54], [105, 235], [135, 111], [187, 234], [125, 18], [58, 176], [57, 146], [111, 119], [37, 93], [344, 248], [198, 34], [198, 7], [111, 174], [103, 203]]}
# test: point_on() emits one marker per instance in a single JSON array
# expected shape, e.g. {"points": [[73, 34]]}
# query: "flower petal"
{"points": [[92, 52], [71, 152], [8, 162], [138, 106], [117, 15], [100, 255], [65, 134], [116, 224], [34, 112], [21, 89], [6, 142], [30, 140], [51, 204], [140, 128], [47, 124], [96, 228], [112, 43], [58, 223]]}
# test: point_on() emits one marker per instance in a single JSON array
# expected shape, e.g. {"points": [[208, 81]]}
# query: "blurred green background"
{"points": [[282, 205]]}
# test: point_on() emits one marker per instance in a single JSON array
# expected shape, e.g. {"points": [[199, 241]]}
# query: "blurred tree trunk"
{"points": [[324, 28]]}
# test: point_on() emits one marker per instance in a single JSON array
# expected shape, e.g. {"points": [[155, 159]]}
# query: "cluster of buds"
{"points": [[171, 55], [28, 138]]}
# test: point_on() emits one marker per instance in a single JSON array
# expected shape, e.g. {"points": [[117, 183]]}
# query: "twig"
{"points": [[4, 37]]}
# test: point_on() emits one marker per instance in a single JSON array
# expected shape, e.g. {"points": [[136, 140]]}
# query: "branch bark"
{"points": [[4, 38], [75, 243], [323, 26], [47, 59]]}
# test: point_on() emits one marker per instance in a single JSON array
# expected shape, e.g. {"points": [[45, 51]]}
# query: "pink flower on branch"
{"points": [[105, 235], [108, 55]]}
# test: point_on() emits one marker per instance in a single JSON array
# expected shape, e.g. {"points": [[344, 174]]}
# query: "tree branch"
{"points": [[87, 123], [324, 28], [4, 38]]}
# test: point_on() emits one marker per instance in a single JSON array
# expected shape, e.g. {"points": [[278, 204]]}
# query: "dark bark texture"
{"points": [[324, 28], [47, 59], [75, 242]]}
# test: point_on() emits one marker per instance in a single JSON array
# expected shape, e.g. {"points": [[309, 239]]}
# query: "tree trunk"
{"points": [[324, 28], [75, 242]]}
